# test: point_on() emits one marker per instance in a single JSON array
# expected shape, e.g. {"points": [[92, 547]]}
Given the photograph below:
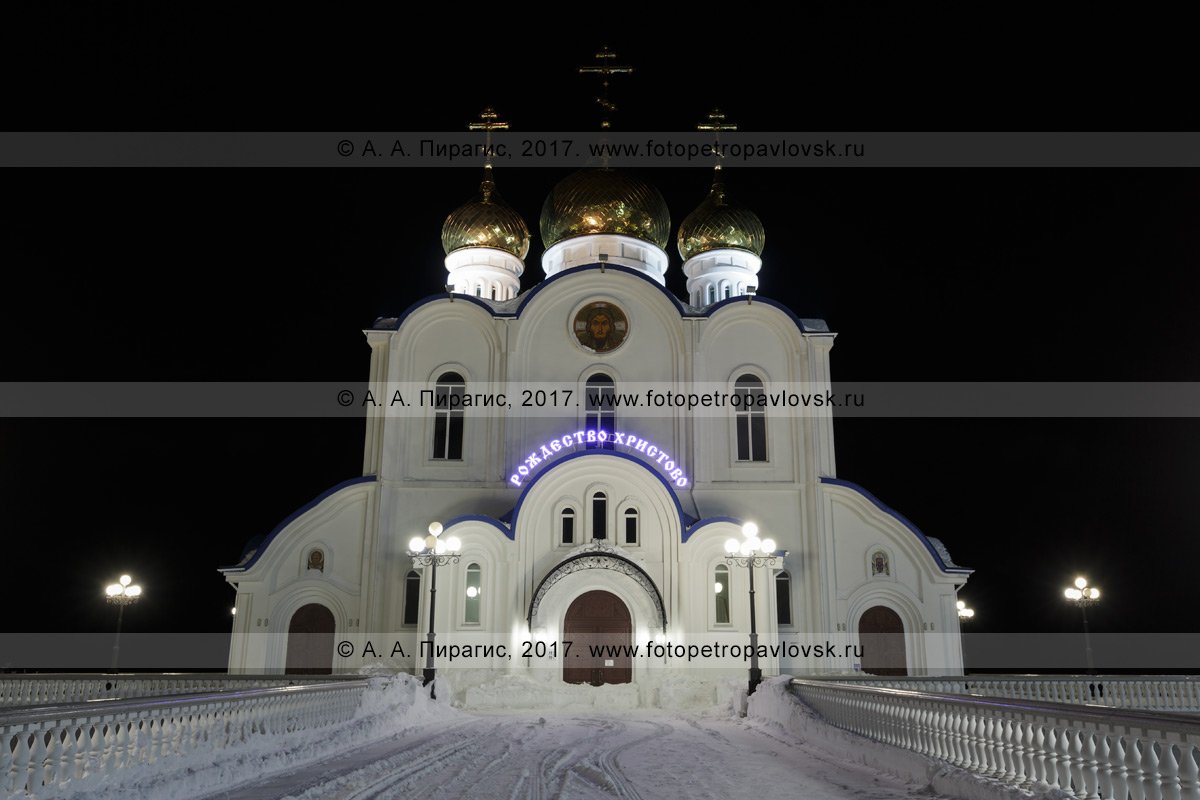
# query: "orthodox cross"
{"points": [[605, 67]]}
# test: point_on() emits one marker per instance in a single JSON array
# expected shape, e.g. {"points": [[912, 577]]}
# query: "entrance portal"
{"points": [[600, 630], [881, 633], [310, 641]]}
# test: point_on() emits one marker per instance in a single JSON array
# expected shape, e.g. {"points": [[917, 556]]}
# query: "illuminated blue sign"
{"points": [[630, 442]]}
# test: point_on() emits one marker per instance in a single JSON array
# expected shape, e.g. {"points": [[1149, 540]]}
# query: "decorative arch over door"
{"points": [[597, 555], [310, 641], [881, 634]]}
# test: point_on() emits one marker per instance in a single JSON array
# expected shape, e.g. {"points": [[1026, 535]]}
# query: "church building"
{"points": [[595, 512]]}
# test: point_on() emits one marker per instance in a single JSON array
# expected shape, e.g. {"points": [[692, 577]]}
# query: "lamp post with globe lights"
{"points": [[122, 593], [965, 615], [751, 552], [433, 552], [1083, 596]]}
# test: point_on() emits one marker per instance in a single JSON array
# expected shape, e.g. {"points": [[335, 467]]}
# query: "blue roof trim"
{"points": [[695, 528], [607, 268], [684, 311], [495, 523], [891, 512], [433, 298], [799, 323], [290, 518], [516, 511]]}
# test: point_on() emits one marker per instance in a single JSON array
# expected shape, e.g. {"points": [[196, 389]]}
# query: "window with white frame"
{"points": [[600, 411], [448, 417], [751, 419], [721, 593], [474, 602], [631, 526]]}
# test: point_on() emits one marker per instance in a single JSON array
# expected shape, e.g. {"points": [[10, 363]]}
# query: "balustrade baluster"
{"points": [[16, 761], [1189, 772], [1168, 773], [1104, 756], [37, 761], [1149, 766], [1133, 768]]}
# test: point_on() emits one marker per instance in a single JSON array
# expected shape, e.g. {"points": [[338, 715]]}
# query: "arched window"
{"points": [[721, 593], [600, 414], [493, 292], [783, 597], [478, 290], [726, 291], [599, 515], [448, 417], [709, 294], [631, 526], [474, 601], [751, 419], [567, 526], [412, 597]]}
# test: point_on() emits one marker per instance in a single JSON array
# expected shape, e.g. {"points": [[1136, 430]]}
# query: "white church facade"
{"points": [[595, 517]]}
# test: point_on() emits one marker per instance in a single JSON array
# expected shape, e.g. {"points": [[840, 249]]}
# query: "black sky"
{"points": [[953, 274]]}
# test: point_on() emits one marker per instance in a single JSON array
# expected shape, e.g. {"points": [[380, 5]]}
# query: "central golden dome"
{"points": [[604, 201], [486, 222]]}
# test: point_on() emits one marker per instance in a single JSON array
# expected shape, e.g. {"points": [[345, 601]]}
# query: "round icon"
{"points": [[600, 327]]}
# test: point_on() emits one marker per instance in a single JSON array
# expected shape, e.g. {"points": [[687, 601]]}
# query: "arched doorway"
{"points": [[310, 641], [881, 634], [599, 620]]}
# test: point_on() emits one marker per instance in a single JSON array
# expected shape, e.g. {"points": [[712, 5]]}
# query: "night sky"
{"points": [[255, 275]]}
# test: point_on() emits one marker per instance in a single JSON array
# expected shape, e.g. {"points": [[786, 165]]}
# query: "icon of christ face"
{"points": [[600, 327]]}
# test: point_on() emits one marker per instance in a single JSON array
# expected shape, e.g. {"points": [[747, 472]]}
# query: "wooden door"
{"points": [[881, 634], [310, 641], [598, 620]]}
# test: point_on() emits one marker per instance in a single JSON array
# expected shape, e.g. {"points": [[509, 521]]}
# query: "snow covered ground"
{"points": [[646, 753], [402, 745]]}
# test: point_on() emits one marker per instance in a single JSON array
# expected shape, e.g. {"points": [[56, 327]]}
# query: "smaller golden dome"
{"points": [[486, 222], [715, 225]]}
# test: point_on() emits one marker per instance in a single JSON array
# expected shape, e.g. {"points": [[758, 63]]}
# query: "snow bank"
{"points": [[390, 705], [774, 703], [678, 692]]}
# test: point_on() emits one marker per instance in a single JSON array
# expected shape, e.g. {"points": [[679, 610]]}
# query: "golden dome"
{"points": [[486, 222], [604, 201], [715, 224]]}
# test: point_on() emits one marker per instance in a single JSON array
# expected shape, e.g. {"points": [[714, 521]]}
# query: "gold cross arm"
{"points": [[489, 121], [604, 66], [716, 122]]}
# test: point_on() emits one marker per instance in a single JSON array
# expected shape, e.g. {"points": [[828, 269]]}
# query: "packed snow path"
{"points": [[643, 754]]}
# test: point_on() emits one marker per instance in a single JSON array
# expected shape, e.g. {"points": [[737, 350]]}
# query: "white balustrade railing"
{"points": [[1091, 753], [55, 745], [29, 690], [1179, 693]]}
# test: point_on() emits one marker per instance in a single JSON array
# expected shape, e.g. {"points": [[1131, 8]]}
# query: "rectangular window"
{"points": [[474, 595], [599, 516], [783, 598], [412, 598], [721, 594], [631, 528], [448, 418], [751, 420], [568, 528]]}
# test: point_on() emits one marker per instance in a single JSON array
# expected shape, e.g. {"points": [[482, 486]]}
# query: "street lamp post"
{"points": [[751, 552], [122, 593], [1083, 596], [433, 552], [965, 615]]}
